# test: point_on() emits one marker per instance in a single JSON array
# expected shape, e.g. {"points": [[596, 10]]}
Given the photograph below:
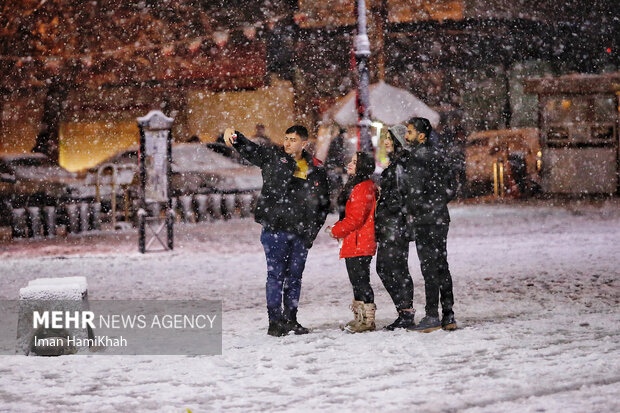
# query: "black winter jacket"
{"points": [[424, 187], [287, 203], [390, 219]]}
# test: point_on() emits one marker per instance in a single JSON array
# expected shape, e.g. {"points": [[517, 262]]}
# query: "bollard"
{"points": [[19, 223], [84, 216], [230, 209], [34, 217], [49, 221], [187, 208], [215, 205], [245, 204], [202, 207], [73, 215], [96, 216]]}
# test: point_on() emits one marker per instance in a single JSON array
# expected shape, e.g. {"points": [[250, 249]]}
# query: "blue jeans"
{"points": [[286, 259]]}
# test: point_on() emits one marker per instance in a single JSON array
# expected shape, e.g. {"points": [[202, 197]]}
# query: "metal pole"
{"points": [[114, 177], [362, 51], [495, 180], [170, 211], [142, 209]]}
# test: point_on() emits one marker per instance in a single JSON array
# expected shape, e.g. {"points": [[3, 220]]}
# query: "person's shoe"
{"points": [[294, 326], [404, 320], [448, 323], [357, 308], [277, 328], [366, 321], [427, 324]]}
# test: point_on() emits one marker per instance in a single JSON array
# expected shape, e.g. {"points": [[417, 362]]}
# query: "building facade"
{"points": [[74, 75]]}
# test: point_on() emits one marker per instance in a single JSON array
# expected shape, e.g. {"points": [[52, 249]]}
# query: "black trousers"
{"points": [[359, 275], [431, 247], [393, 269]]}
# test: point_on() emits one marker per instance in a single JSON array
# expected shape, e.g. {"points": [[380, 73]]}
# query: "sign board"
{"points": [[155, 168], [156, 164]]}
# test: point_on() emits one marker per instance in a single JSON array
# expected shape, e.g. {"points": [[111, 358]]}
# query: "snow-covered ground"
{"points": [[536, 291]]}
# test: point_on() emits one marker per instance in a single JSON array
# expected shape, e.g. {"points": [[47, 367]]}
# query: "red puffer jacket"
{"points": [[358, 226]]}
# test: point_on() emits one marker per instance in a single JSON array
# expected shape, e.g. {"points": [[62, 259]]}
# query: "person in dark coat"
{"points": [[426, 197], [356, 229], [391, 232], [335, 163], [292, 208]]}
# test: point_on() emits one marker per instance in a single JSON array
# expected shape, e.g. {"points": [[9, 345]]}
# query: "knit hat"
{"points": [[399, 132]]}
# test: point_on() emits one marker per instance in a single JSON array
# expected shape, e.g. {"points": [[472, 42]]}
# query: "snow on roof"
{"points": [[10, 157]]}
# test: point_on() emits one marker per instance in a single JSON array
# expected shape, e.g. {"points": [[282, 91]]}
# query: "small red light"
{"points": [[608, 50]]}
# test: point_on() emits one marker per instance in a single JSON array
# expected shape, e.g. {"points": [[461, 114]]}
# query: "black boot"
{"points": [[277, 328], [448, 322], [294, 326], [290, 322], [427, 324], [404, 320]]}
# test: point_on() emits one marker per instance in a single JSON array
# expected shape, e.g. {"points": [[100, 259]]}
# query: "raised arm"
{"points": [[246, 148]]}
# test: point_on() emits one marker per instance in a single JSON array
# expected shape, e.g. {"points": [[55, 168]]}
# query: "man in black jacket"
{"points": [[427, 193], [292, 208]]}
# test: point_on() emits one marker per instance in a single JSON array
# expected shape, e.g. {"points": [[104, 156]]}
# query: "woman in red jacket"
{"points": [[356, 229]]}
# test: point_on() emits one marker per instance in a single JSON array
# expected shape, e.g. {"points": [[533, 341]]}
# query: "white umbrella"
{"points": [[388, 104]]}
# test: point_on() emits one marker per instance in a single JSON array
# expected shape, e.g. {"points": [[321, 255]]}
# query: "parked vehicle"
{"points": [[7, 182], [32, 179], [516, 152], [196, 169]]}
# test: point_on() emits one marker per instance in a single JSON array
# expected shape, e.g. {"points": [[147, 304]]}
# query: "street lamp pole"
{"points": [[362, 51]]}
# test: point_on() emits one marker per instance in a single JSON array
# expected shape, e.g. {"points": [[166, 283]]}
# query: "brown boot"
{"points": [[367, 321]]}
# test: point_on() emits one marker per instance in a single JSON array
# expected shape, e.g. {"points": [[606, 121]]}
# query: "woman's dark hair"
{"points": [[363, 171]]}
